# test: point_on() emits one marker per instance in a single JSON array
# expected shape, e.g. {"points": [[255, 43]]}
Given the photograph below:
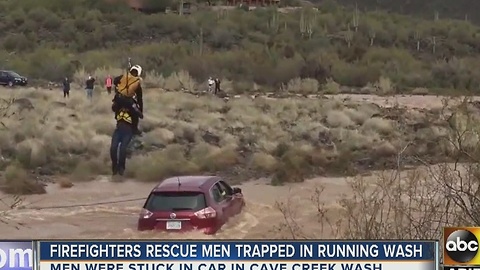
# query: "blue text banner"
{"points": [[238, 251]]}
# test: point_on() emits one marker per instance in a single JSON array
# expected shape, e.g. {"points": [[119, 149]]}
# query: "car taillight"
{"points": [[145, 214], [208, 212]]}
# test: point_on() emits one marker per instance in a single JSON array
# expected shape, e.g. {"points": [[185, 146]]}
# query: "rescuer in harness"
{"points": [[122, 135], [129, 93]]}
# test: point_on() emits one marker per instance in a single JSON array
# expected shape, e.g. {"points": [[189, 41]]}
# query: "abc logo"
{"points": [[461, 246]]}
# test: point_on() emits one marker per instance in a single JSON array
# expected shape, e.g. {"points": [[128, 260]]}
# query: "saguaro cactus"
{"points": [[356, 19], [307, 24], [436, 41], [416, 37], [434, 44], [273, 22], [348, 36], [372, 34], [180, 9], [302, 23], [200, 42], [222, 13]]}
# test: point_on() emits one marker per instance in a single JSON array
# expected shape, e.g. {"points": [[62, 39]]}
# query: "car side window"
{"points": [[227, 188], [222, 189], [216, 193]]}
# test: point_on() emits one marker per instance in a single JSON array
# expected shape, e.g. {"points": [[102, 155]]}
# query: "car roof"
{"points": [[186, 183]]}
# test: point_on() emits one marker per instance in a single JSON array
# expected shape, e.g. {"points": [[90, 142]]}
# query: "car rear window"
{"points": [[175, 201]]}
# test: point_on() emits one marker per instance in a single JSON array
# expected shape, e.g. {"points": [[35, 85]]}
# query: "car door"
{"points": [[235, 200], [222, 203]]}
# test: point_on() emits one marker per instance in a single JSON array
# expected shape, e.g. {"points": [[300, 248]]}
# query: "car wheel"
{"points": [[10, 84]]}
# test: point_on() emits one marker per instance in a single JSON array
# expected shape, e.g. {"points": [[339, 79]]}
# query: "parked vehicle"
{"points": [[11, 78], [190, 203]]}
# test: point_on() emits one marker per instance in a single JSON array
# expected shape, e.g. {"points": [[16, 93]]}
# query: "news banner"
{"points": [[225, 255]]}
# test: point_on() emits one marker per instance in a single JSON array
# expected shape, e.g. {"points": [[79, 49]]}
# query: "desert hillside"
{"points": [[460, 10], [307, 50]]}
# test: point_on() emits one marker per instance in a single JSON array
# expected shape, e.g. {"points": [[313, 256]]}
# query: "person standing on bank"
{"points": [[89, 85], [217, 85], [66, 87], [211, 82], [108, 84]]}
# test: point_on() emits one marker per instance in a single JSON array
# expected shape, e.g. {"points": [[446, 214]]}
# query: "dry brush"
{"points": [[405, 202]]}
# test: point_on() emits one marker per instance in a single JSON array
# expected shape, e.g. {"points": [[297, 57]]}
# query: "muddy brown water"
{"points": [[38, 216]]}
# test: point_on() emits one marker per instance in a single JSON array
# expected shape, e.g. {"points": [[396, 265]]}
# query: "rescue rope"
{"points": [[82, 205]]}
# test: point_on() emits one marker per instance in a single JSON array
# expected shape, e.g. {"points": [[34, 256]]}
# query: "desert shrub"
{"points": [[354, 75], [378, 124], [49, 70], [354, 140], [420, 91], [99, 73], [240, 87], [303, 86], [180, 81], [212, 158], [331, 87], [18, 181], [263, 162], [103, 126], [161, 164], [294, 165], [228, 86], [338, 119], [158, 137], [32, 153], [384, 86], [398, 204], [356, 115], [154, 79]]}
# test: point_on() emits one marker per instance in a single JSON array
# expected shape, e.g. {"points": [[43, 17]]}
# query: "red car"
{"points": [[190, 203]]}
